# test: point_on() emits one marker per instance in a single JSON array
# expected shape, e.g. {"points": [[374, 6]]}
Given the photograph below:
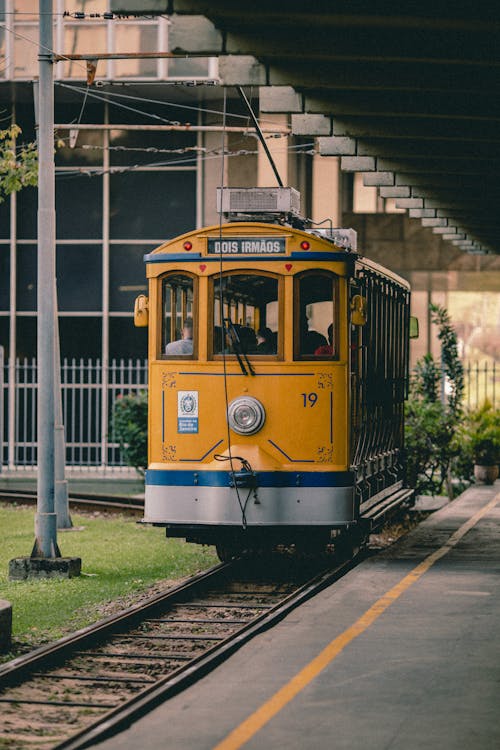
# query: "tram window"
{"points": [[315, 316], [178, 334], [246, 316]]}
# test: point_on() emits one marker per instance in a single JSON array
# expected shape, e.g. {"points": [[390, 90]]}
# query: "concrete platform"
{"points": [[403, 653]]}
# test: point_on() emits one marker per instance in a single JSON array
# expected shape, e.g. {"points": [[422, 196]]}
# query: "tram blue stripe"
{"points": [[196, 257], [166, 477], [165, 257], [259, 374]]}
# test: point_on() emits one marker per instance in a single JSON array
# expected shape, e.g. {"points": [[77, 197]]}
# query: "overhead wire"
{"points": [[104, 98], [109, 95], [95, 171], [48, 13], [108, 98], [186, 149], [177, 105], [229, 457], [116, 94], [208, 154], [79, 120]]}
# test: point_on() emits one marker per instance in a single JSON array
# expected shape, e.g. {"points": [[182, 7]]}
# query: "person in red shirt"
{"points": [[327, 349]]}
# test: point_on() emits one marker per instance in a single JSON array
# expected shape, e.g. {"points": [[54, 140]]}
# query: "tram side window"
{"points": [[178, 334], [246, 315], [315, 316]]}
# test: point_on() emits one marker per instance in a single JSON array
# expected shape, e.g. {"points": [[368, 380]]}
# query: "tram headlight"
{"points": [[246, 415]]}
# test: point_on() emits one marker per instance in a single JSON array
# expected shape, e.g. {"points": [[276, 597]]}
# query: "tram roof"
{"points": [[327, 251]]}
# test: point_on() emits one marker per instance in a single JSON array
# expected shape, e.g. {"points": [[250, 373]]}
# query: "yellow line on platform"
{"points": [[248, 728]]}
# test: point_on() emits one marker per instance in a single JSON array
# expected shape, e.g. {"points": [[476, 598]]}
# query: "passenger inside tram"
{"points": [[265, 341], [326, 349], [315, 294], [248, 311], [310, 340], [184, 345]]}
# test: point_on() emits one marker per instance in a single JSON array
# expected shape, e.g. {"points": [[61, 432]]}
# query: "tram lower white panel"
{"points": [[282, 506]]}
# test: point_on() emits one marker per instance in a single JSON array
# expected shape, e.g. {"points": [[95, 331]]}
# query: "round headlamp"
{"points": [[246, 415]]}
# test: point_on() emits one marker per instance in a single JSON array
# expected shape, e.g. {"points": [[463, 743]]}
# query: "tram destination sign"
{"points": [[245, 245]]}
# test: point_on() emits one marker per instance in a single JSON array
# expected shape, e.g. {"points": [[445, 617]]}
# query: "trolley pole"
{"points": [[46, 518]]}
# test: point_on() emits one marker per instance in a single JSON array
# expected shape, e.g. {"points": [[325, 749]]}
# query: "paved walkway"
{"points": [[402, 654]]}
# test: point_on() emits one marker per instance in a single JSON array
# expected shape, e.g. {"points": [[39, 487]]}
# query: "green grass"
{"points": [[119, 557]]}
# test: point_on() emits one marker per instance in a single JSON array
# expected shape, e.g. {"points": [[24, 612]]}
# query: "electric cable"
{"points": [[104, 98], [188, 163], [241, 504], [164, 103]]}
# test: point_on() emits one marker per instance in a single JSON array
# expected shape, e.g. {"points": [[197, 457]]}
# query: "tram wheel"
{"points": [[228, 552], [349, 543]]}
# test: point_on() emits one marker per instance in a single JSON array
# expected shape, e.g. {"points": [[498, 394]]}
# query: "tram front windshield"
{"points": [[246, 316]]}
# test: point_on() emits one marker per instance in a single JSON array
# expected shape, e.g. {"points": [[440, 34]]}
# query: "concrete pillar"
{"points": [[279, 151], [212, 176], [364, 198], [326, 191]]}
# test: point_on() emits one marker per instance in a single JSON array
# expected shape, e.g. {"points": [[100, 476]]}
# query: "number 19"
{"points": [[309, 399]]}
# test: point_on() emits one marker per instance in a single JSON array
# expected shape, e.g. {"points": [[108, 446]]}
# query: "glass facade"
{"points": [[107, 218], [119, 191]]}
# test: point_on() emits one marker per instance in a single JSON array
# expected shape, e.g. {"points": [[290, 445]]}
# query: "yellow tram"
{"points": [[278, 369]]}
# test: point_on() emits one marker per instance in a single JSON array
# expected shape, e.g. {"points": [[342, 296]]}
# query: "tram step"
{"points": [[389, 503]]}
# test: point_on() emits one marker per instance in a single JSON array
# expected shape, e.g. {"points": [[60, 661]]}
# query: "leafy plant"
{"points": [[452, 368], [18, 164], [433, 414], [482, 431], [130, 428], [427, 377]]}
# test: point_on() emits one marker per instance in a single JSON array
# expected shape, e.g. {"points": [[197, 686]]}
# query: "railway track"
{"points": [[81, 501], [90, 684]]}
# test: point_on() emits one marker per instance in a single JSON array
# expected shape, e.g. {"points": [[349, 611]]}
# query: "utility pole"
{"points": [[46, 560], [46, 518]]}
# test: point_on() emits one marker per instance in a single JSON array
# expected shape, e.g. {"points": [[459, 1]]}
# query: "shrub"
{"points": [[130, 429], [482, 433], [430, 446], [433, 415]]}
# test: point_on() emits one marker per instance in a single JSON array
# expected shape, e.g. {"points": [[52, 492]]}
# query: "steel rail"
{"points": [[100, 630], [152, 696], [180, 676], [116, 503]]}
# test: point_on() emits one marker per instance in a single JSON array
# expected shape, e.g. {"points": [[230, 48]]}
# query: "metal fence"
{"points": [[89, 392], [482, 382]]}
